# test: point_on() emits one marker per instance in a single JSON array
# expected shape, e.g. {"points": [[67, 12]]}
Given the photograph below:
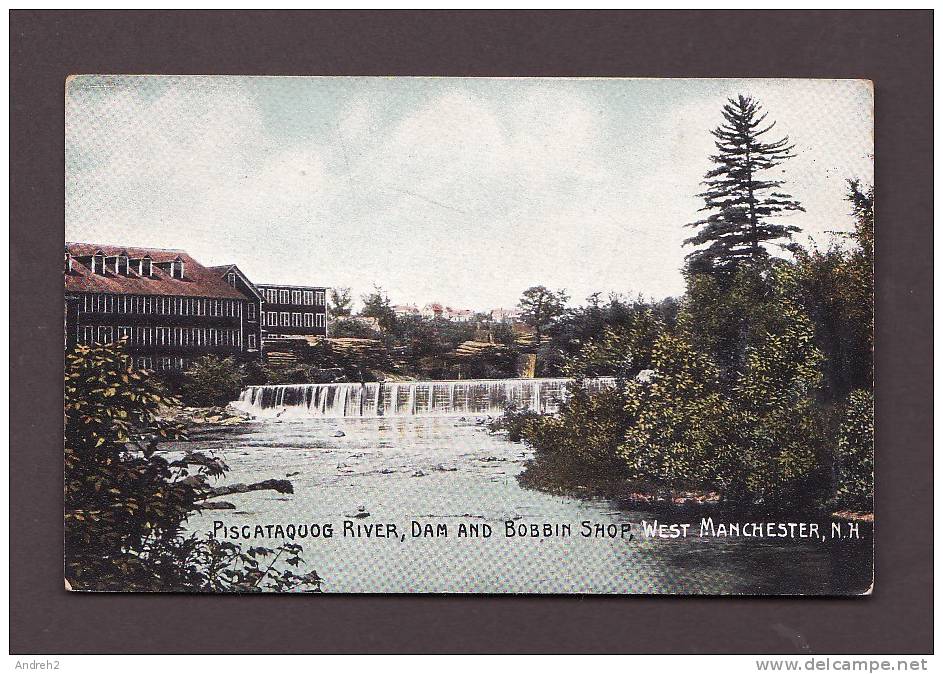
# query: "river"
{"points": [[450, 470]]}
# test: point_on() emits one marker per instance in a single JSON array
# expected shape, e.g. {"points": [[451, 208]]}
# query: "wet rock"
{"points": [[419, 473], [219, 505], [281, 486], [231, 421], [297, 472]]}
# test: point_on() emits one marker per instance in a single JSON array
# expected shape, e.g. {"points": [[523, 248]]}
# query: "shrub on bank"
{"points": [[212, 381], [676, 432], [855, 453], [125, 504], [579, 446], [757, 437]]}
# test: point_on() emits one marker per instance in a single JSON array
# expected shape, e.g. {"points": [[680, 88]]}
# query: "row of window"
{"points": [[294, 319], [179, 306], [162, 363], [146, 335], [121, 265], [282, 296]]}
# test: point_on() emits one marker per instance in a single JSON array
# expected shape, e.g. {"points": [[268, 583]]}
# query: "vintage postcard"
{"points": [[468, 335]]}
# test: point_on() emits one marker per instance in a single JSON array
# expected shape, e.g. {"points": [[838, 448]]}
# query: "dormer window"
{"points": [[68, 263], [98, 263], [121, 265], [231, 278], [176, 269], [144, 266]]}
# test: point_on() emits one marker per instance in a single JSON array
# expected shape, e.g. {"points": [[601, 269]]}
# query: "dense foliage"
{"points": [[579, 446], [212, 381], [756, 386], [855, 453], [126, 503]]}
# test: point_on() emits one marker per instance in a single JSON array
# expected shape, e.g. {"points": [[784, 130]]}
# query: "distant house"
{"points": [[458, 315], [293, 311], [437, 310], [406, 310], [167, 307], [505, 315]]}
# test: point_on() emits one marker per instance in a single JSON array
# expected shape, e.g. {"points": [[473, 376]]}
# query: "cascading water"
{"points": [[409, 399]]}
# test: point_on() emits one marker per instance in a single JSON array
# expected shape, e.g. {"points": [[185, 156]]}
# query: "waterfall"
{"points": [[409, 399]]}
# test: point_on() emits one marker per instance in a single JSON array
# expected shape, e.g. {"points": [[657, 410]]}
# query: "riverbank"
{"points": [[636, 495], [189, 417]]}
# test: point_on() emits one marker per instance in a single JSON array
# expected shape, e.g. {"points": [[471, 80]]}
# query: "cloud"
{"points": [[466, 191]]}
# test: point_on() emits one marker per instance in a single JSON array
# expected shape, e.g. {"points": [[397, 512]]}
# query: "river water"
{"points": [[450, 471]]}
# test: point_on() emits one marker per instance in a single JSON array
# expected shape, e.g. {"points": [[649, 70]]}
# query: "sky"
{"points": [[464, 191]]}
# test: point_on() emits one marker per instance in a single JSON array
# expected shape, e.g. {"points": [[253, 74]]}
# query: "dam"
{"points": [[410, 398]]}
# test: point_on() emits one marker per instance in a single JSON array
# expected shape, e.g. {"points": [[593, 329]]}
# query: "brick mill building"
{"points": [[293, 311], [169, 307]]}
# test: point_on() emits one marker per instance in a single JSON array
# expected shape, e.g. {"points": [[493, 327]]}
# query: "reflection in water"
{"points": [[448, 471]]}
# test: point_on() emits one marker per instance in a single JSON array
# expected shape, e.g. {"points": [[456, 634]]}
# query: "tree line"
{"points": [[755, 385]]}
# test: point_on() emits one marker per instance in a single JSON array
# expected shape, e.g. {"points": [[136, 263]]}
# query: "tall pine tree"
{"points": [[739, 199]]}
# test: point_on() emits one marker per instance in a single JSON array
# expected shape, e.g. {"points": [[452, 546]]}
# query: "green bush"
{"points": [[516, 423], [783, 455], [125, 505], [621, 351], [578, 446], [855, 453], [212, 381], [679, 437], [724, 316], [758, 439]]}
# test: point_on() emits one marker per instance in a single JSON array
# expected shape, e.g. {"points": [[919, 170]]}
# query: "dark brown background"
{"points": [[891, 48]]}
